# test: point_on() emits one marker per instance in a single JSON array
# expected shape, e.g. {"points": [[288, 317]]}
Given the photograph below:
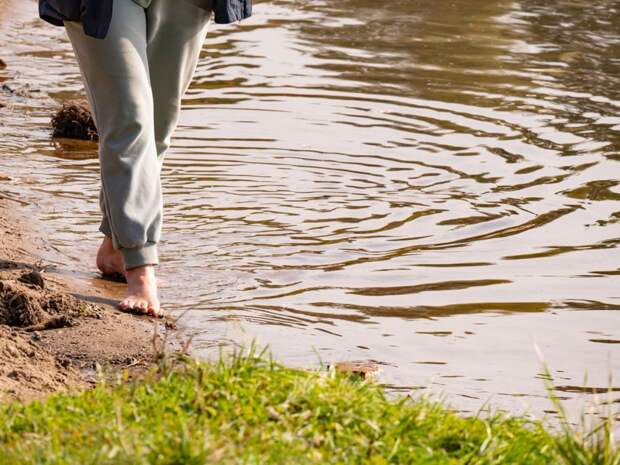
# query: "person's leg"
{"points": [[176, 34], [176, 31], [109, 260], [116, 75]]}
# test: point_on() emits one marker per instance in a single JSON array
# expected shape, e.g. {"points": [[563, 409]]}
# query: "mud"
{"points": [[74, 121]]}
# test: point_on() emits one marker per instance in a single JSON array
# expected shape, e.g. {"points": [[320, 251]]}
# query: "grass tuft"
{"points": [[248, 409], [585, 444]]}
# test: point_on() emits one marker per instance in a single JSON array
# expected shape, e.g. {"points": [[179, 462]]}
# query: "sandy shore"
{"points": [[55, 332]]}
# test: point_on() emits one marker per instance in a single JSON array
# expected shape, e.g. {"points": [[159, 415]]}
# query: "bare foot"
{"points": [[141, 292], [110, 261]]}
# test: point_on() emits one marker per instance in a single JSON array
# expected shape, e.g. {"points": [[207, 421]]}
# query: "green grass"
{"points": [[590, 444], [250, 410]]}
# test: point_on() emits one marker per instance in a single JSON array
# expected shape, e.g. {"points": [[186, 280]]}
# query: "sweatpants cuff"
{"points": [[140, 256]]}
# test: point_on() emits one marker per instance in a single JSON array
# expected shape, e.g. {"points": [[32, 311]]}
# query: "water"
{"points": [[430, 186]]}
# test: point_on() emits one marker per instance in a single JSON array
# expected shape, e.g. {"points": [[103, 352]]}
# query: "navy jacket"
{"points": [[95, 15]]}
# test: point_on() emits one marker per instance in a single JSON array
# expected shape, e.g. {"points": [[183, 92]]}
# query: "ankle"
{"points": [[141, 272]]}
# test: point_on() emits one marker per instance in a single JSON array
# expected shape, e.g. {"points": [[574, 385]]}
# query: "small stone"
{"points": [[12, 351], [359, 369], [36, 336]]}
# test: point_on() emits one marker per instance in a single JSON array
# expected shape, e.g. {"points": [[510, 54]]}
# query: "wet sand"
{"points": [[54, 337]]}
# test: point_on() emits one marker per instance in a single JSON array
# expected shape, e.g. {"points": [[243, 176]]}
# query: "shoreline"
{"points": [[185, 412], [59, 336]]}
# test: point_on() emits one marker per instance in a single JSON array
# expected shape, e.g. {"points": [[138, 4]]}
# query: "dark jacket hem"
{"points": [[96, 15]]}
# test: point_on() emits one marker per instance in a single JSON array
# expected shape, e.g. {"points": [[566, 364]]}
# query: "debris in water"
{"points": [[74, 121]]}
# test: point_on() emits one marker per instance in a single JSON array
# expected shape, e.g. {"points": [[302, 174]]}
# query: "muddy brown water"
{"points": [[433, 186]]}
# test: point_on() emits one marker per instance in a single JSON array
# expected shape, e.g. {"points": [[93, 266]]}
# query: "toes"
{"points": [[154, 310], [132, 306], [140, 307]]}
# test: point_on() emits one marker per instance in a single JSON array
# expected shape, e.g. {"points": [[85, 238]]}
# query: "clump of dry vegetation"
{"points": [[74, 121]]}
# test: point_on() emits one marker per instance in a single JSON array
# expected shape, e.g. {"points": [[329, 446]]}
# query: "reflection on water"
{"points": [[431, 186]]}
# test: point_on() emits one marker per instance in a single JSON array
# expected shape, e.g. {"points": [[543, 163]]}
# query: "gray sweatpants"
{"points": [[134, 81]]}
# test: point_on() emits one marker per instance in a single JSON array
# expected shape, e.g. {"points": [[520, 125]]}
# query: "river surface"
{"points": [[430, 185]]}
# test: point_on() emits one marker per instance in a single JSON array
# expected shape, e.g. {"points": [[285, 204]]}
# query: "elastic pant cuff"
{"points": [[140, 256]]}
